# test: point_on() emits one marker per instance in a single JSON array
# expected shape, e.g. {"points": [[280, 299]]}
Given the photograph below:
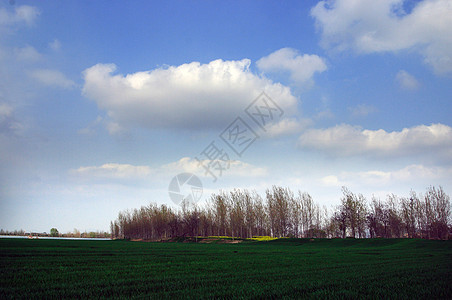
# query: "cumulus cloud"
{"points": [[414, 172], [377, 26], [21, 14], [53, 78], [406, 80], [344, 140], [301, 67], [189, 96], [286, 127]]}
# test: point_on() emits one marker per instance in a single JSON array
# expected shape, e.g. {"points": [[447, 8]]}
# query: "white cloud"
{"points": [[52, 78], [406, 80], [27, 13], [113, 171], [118, 171], [27, 53], [415, 172], [301, 67], [346, 140], [191, 95], [377, 26], [22, 14], [410, 174], [243, 169], [367, 178], [185, 164], [331, 180], [232, 168], [362, 110], [286, 127]]}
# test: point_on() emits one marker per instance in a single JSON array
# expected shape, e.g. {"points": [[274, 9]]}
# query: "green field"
{"points": [[285, 268]]}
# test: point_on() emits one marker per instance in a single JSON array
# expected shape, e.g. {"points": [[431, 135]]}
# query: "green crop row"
{"points": [[286, 268]]}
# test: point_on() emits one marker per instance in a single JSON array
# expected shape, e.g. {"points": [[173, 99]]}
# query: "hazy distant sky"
{"points": [[102, 103]]}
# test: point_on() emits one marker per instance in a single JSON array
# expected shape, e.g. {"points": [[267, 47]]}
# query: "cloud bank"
{"points": [[347, 140], [189, 96], [369, 26]]}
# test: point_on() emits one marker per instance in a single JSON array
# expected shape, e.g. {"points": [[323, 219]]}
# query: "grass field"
{"points": [[286, 268]]}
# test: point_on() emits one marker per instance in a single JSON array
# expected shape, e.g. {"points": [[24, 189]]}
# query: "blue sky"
{"points": [[103, 103]]}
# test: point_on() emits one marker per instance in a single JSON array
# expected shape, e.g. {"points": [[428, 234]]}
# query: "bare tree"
{"points": [[295, 217], [408, 215], [354, 207], [262, 225], [395, 221], [437, 205], [307, 213], [244, 214], [250, 217], [340, 220], [278, 200], [220, 209]]}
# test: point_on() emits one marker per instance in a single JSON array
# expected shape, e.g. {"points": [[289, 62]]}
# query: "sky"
{"points": [[103, 103]]}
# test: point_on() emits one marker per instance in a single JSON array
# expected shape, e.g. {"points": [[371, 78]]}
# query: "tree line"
{"points": [[241, 213], [55, 233]]}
